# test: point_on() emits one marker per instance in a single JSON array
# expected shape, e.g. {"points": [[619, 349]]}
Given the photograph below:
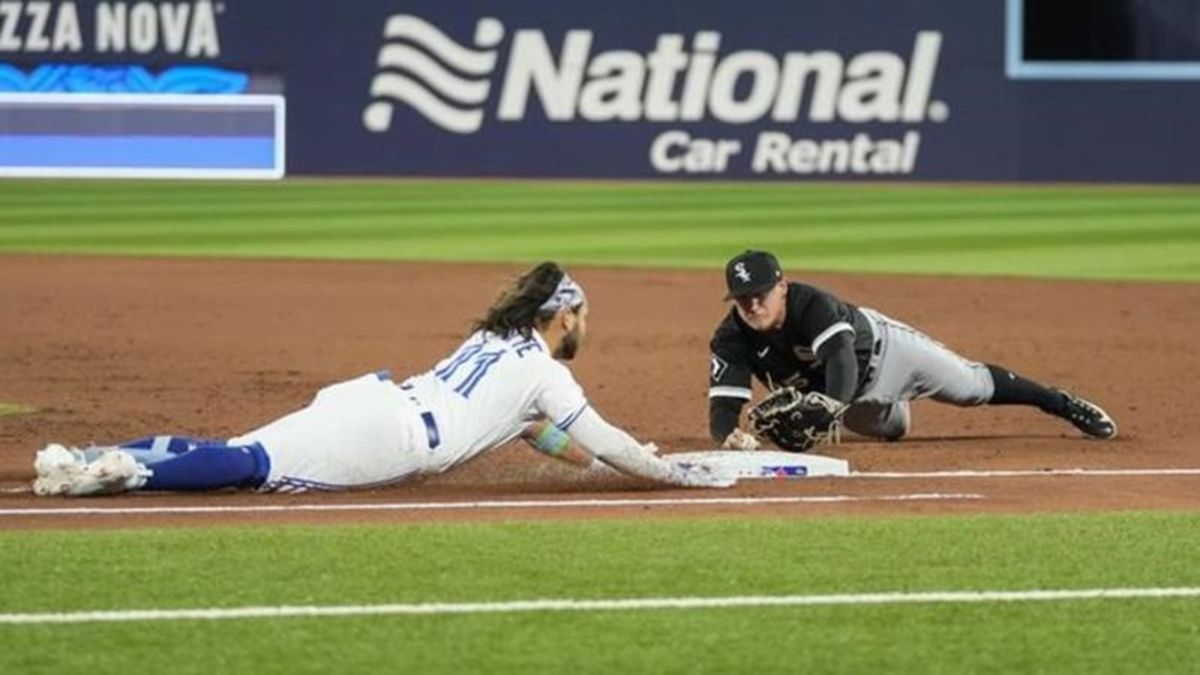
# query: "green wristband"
{"points": [[552, 441]]}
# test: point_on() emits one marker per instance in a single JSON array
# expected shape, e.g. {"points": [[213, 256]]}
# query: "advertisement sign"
{"points": [[755, 90]]}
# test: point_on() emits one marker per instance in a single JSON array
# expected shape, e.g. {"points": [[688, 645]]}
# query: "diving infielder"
{"points": [[789, 334], [506, 381]]}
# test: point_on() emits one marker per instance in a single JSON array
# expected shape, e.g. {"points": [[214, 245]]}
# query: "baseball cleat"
{"points": [[57, 458], [1087, 416], [66, 472]]}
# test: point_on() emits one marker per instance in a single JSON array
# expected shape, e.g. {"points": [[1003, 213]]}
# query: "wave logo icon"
{"points": [[443, 80]]}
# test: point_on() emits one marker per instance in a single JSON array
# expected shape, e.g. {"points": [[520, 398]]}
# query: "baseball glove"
{"points": [[797, 421]]}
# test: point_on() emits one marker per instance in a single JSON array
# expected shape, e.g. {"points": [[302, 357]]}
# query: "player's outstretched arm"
{"points": [[621, 451], [548, 439]]}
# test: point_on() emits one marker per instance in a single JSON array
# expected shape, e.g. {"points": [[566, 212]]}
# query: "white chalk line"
{"points": [[482, 505], [618, 604], [963, 473], [586, 503], [1016, 473]]}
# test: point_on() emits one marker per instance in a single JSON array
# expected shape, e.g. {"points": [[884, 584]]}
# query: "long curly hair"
{"points": [[519, 306]]}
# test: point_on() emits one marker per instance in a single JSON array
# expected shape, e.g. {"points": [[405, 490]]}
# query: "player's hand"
{"points": [[650, 448], [740, 440]]}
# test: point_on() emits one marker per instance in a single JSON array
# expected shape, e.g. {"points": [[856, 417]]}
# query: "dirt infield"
{"points": [[112, 348]]}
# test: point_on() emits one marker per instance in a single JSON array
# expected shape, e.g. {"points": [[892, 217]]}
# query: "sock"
{"points": [[212, 466], [153, 449], [1012, 389]]}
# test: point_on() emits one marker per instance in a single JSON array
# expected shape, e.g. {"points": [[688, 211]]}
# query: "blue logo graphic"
{"points": [[783, 471], [123, 79]]}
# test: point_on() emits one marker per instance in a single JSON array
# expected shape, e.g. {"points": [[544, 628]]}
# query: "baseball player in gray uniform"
{"points": [[865, 365], [507, 380]]}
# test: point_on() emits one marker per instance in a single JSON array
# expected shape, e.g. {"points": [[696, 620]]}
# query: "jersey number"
{"points": [[480, 362]]}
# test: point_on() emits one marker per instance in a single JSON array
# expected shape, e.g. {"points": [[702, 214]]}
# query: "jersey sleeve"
{"points": [[823, 318], [560, 398], [729, 371]]}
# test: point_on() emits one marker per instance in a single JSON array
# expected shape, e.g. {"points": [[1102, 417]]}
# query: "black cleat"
{"points": [[1087, 416]]}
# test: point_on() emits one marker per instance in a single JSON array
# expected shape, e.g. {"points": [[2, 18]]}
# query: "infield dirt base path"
{"points": [[109, 349]]}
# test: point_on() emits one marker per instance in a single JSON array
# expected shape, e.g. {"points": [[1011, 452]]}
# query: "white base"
{"points": [[767, 464]]}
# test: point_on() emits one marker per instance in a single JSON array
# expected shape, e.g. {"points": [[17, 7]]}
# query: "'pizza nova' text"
{"points": [[179, 28]]}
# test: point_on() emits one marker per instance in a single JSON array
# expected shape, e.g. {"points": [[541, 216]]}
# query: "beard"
{"points": [[567, 349]]}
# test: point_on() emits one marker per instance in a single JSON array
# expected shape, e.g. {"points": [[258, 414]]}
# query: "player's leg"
{"points": [[911, 365], [889, 421], [198, 465], [1012, 389], [151, 449], [360, 433], [210, 467], [321, 445], [354, 434], [181, 463]]}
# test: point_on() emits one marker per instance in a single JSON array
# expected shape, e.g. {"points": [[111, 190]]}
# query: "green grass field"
{"points": [[14, 409], [232, 567], [1075, 231], [1145, 233]]}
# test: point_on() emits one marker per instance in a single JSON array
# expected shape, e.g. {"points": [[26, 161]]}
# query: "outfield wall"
{"points": [[758, 89]]}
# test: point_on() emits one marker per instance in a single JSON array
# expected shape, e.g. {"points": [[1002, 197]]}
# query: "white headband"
{"points": [[566, 294]]}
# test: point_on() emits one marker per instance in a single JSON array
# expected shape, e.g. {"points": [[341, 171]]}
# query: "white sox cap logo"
{"points": [[739, 270]]}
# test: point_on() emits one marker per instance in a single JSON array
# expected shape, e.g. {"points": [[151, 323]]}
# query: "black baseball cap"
{"points": [[751, 273]]}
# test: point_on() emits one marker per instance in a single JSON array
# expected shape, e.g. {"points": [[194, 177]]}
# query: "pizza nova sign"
{"points": [[39, 28], [681, 80]]}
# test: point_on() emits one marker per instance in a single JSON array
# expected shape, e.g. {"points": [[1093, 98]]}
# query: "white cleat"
{"points": [[57, 458], [65, 471]]}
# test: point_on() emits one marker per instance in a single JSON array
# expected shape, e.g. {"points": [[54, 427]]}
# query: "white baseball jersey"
{"points": [[485, 393], [372, 431]]}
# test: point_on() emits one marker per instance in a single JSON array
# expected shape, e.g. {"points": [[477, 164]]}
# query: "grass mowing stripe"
{"points": [[1079, 637], [1122, 260], [1177, 264], [1060, 231], [15, 409], [649, 206], [615, 604], [869, 232], [269, 566]]}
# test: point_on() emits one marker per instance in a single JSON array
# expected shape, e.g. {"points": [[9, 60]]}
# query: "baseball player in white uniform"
{"points": [[507, 380]]}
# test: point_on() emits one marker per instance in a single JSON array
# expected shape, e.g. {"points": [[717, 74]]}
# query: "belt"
{"points": [[873, 362], [427, 418]]}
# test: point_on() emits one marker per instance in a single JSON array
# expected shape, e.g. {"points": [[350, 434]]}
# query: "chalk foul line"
{"points": [[481, 505], [1018, 473], [618, 604], [962, 473]]}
